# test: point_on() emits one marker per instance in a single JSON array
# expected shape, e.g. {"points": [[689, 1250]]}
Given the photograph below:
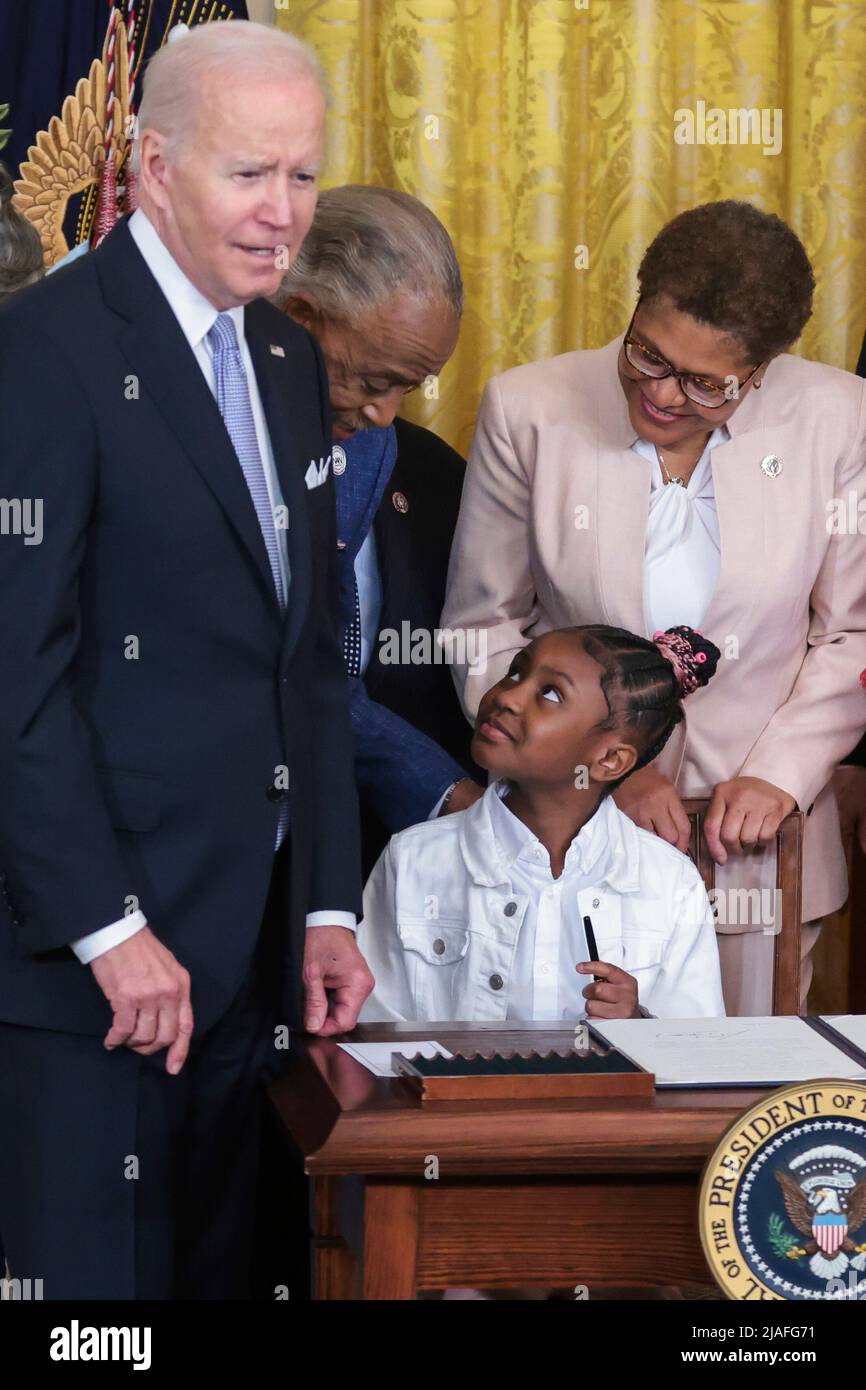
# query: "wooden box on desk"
{"points": [[520, 1074]]}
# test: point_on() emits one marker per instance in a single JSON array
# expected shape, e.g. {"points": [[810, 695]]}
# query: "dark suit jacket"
{"points": [[413, 543], [412, 548], [149, 688]]}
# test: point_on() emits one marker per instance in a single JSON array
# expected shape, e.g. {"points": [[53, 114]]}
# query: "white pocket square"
{"points": [[317, 473]]}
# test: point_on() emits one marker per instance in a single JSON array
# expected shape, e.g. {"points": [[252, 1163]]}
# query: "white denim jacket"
{"points": [[442, 919]]}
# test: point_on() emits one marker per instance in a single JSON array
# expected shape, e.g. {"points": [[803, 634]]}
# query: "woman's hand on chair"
{"points": [[742, 814], [653, 803]]}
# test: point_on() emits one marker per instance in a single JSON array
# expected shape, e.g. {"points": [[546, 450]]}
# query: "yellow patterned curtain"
{"points": [[535, 128]]}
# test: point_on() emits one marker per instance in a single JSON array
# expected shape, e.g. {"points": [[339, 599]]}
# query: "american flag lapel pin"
{"points": [[277, 350]]}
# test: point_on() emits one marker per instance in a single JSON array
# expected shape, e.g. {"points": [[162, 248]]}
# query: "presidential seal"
{"points": [[783, 1198]]}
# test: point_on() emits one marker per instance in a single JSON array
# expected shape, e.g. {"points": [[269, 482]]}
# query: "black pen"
{"points": [[591, 945]]}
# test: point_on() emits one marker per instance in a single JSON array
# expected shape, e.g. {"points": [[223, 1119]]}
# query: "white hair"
{"points": [[236, 48]]}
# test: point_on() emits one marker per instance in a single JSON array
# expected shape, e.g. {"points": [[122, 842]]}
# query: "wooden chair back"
{"points": [[789, 883]]}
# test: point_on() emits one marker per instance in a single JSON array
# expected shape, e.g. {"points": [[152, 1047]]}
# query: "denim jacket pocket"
{"points": [[438, 943]]}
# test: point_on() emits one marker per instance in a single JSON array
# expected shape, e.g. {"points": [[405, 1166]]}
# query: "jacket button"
{"points": [[496, 982], [510, 909], [439, 946], [275, 793]]}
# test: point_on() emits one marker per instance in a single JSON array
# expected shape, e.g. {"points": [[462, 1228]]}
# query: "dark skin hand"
{"points": [[743, 814], [654, 804], [613, 994]]}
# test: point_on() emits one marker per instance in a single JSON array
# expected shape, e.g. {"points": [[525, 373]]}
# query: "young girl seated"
{"points": [[481, 914]]}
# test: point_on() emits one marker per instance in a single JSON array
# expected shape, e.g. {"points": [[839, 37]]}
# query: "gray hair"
{"points": [[367, 244], [21, 260], [236, 48]]}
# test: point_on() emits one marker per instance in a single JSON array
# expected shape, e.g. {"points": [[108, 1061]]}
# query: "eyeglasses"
{"points": [[696, 388]]}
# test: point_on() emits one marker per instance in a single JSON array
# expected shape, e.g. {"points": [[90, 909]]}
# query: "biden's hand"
{"points": [[149, 993], [337, 980]]}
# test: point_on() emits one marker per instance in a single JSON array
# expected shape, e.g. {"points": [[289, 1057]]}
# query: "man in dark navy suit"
{"points": [[179, 851], [378, 284]]}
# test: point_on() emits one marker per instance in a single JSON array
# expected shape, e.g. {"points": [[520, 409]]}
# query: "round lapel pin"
{"points": [[401, 501], [771, 465], [338, 459]]}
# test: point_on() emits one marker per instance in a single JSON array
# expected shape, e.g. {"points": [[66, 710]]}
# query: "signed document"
{"points": [[734, 1051]]}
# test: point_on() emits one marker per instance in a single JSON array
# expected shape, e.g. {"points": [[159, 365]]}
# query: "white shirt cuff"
{"points": [[332, 919], [87, 948]]}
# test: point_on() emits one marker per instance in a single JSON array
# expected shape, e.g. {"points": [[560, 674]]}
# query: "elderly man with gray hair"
{"points": [[378, 285], [179, 851]]}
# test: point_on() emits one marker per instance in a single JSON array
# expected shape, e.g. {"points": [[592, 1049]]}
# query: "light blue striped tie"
{"points": [[233, 399]]}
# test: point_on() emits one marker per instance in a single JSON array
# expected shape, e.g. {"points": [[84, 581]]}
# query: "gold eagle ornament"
{"points": [[68, 158]]}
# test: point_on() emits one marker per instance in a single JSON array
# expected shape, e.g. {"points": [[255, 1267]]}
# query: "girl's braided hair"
{"points": [[645, 682]]}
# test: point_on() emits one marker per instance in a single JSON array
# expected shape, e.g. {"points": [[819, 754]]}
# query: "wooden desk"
{"points": [[565, 1193]]}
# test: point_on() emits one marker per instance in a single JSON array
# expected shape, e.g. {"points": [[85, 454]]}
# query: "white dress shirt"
{"points": [[464, 920], [544, 982], [683, 548], [197, 316]]}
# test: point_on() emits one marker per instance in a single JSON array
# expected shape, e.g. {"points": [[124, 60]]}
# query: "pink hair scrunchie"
{"points": [[685, 660]]}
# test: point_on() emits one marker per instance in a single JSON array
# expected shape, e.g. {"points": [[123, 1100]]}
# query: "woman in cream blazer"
{"points": [[565, 519]]}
